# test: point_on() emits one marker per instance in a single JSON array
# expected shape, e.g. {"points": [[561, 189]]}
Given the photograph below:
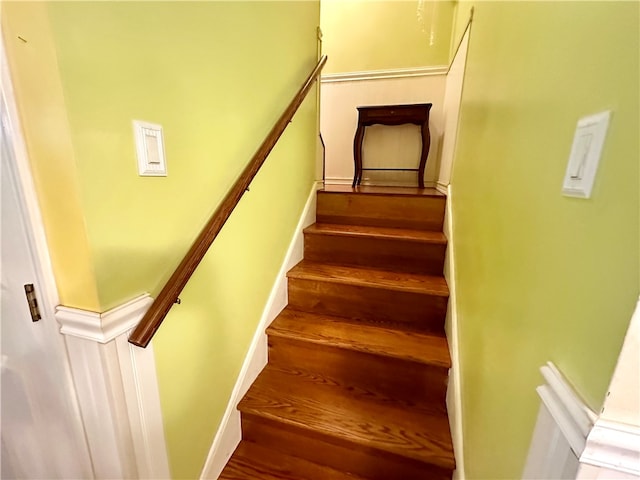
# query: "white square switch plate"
{"points": [[150, 149], [585, 155]]}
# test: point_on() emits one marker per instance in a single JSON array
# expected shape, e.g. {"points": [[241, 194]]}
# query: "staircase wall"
{"points": [[541, 277], [216, 76]]}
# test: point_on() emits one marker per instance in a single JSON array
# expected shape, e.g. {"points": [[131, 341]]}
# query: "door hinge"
{"points": [[34, 310]]}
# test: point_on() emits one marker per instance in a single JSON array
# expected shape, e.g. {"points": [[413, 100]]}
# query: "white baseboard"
{"points": [[229, 433], [338, 181], [454, 390]]}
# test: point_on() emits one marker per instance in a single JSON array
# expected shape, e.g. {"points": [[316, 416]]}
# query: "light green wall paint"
{"points": [[361, 35], [216, 76], [45, 126], [199, 69], [541, 276]]}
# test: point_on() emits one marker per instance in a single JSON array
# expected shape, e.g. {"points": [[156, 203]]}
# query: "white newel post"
{"points": [[117, 391]]}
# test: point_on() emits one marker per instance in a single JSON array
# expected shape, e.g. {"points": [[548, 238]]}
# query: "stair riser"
{"points": [[370, 463], [420, 212], [387, 254], [367, 372], [417, 311]]}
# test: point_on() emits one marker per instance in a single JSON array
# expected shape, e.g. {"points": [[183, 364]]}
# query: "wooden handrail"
{"points": [[158, 310]]}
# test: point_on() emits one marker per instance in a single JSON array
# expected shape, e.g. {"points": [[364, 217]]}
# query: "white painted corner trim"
{"points": [[561, 429], [571, 414], [454, 388], [102, 327], [117, 391], [613, 446], [229, 432], [380, 74]]}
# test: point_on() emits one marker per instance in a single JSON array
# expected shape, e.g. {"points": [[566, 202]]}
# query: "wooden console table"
{"points": [[417, 114]]}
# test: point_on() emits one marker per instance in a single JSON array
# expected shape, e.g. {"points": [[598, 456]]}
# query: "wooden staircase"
{"points": [[358, 362]]}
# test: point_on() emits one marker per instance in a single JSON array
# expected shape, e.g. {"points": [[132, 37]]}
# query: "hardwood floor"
{"points": [[358, 364]]}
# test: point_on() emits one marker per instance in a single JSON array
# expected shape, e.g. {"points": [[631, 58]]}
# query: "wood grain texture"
{"points": [[399, 250], [408, 384], [421, 348], [358, 361], [251, 461], [418, 302], [399, 210], [332, 413], [369, 277], [341, 456], [144, 331]]}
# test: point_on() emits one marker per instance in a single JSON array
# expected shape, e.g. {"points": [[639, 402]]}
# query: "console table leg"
{"points": [[357, 155], [426, 144]]}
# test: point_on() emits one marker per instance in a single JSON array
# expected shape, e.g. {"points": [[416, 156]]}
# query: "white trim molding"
{"points": [[570, 413], [563, 423], [454, 388], [613, 446], [230, 431], [102, 327], [390, 73], [117, 391]]}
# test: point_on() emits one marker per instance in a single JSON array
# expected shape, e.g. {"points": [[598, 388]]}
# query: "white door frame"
{"points": [[115, 384], [20, 177]]}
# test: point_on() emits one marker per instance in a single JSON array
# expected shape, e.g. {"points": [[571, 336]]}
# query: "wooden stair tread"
{"points": [[383, 190], [423, 236], [334, 412], [339, 332], [367, 277], [251, 461]]}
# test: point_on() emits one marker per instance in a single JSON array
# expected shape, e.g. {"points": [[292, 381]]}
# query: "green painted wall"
{"points": [[361, 35], [216, 76], [541, 276]]}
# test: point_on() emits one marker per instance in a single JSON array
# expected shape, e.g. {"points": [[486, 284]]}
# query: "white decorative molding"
{"points": [[614, 446], [117, 391], [102, 327], [563, 423], [338, 181], [229, 432], [454, 388], [138, 373], [378, 74], [572, 415]]}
